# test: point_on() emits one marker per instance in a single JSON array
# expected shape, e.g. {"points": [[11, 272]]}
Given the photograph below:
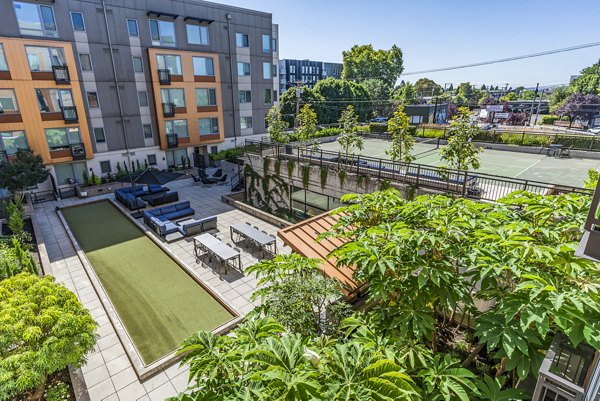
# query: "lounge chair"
{"points": [[196, 179], [206, 180]]}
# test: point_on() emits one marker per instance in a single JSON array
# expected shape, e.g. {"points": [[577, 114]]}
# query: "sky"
{"points": [[444, 33]]}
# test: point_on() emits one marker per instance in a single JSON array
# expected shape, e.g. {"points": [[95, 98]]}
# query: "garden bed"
{"points": [[54, 390]]}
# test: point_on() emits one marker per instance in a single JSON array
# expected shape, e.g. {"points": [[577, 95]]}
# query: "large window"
{"points": [[92, 98], [208, 126], [138, 64], [274, 44], [70, 172], [175, 96], [245, 96], [35, 19], [143, 98], [266, 43], [203, 66], [169, 62], [177, 127], [246, 122], [53, 100], [206, 97], [147, 128], [241, 40], [268, 97], [99, 135], [8, 101], [162, 33], [85, 61], [77, 21], [11, 141], [243, 69], [132, 27], [44, 58], [105, 167], [61, 138], [266, 70], [3, 64], [197, 34]]}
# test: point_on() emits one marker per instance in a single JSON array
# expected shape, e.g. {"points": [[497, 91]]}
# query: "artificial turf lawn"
{"points": [[158, 303]]}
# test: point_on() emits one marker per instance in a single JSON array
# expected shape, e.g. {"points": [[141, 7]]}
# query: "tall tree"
{"points": [[349, 137], [402, 141], [579, 107], [427, 87], [364, 62], [44, 328], [27, 170], [380, 94], [588, 83], [307, 125], [287, 102], [460, 152], [406, 94], [276, 126], [526, 94], [341, 93], [557, 97]]}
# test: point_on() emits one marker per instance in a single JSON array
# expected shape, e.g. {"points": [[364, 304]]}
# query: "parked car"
{"points": [[379, 120], [487, 127], [595, 131]]}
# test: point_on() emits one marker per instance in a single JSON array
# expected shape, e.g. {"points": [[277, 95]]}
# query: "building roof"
{"points": [[302, 238]]}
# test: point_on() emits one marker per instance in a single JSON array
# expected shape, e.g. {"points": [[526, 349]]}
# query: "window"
{"points": [[266, 44], [92, 98], [203, 66], [53, 100], [105, 167], [132, 27], [246, 122], [99, 135], [8, 101], [67, 173], [3, 64], [274, 72], [151, 160], [197, 34], [147, 128], [61, 138], [208, 126], [44, 58], [206, 97], [268, 99], [162, 33], [35, 19], [77, 21], [214, 149], [168, 62], [416, 119], [274, 95], [143, 98], [243, 69], [241, 40], [266, 70], [175, 96], [274, 44], [138, 64], [178, 127], [11, 141], [85, 61], [245, 96]]}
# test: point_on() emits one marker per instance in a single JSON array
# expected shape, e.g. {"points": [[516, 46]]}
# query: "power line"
{"points": [[504, 60]]}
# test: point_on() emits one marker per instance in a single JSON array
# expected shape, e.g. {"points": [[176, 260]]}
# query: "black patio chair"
{"points": [[206, 179]]}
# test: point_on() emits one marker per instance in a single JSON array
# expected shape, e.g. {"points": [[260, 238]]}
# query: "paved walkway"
{"points": [[108, 373]]}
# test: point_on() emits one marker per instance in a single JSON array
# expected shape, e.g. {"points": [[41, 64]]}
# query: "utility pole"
{"points": [[537, 113], [537, 86]]}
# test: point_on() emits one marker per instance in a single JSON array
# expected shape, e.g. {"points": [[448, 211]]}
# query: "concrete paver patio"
{"points": [[108, 373]]}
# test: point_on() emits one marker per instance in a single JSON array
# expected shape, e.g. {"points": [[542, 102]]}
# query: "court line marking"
{"points": [[534, 164]]}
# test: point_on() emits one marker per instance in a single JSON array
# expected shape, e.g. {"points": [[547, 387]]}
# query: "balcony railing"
{"points": [[164, 77], [69, 114], [77, 151], [172, 141], [168, 109], [61, 74]]}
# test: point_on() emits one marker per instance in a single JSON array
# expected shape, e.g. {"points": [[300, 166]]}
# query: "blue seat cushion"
{"points": [[168, 209], [183, 205]]}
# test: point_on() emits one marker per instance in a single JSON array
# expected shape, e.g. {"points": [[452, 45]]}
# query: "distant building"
{"points": [[307, 72], [424, 113], [573, 78]]}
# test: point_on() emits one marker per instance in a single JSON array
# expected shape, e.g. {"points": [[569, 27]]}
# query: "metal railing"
{"points": [[168, 109], [164, 77], [61, 74], [77, 151], [43, 196], [172, 141], [464, 183]]}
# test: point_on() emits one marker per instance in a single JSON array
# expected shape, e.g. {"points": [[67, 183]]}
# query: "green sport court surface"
{"points": [[157, 301], [526, 166]]}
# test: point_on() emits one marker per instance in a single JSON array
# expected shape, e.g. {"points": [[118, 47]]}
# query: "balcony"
{"points": [[168, 109], [61, 74], [77, 151], [172, 141], [69, 114], [164, 77]]}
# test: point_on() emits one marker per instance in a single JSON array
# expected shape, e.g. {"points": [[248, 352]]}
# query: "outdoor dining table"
{"points": [[214, 247], [254, 235]]}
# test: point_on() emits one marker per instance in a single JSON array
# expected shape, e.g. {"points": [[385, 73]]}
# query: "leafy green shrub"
{"points": [[549, 119], [431, 133], [331, 131], [94, 179], [231, 155], [14, 211], [15, 259], [57, 392], [592, 180], [378, 128]]}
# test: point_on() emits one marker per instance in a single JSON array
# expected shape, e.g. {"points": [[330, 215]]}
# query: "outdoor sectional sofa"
{"points": [[129, 196], [162, 198], [160, 219]]}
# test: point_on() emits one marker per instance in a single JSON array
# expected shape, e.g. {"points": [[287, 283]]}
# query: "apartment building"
{"points": [[92, 84], [306, 72]]}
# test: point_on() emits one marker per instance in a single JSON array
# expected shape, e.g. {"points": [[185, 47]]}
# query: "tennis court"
{"points": [[527, 166]]}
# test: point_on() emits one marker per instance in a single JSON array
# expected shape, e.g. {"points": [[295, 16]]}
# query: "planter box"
{"points": [[95, 190]]}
